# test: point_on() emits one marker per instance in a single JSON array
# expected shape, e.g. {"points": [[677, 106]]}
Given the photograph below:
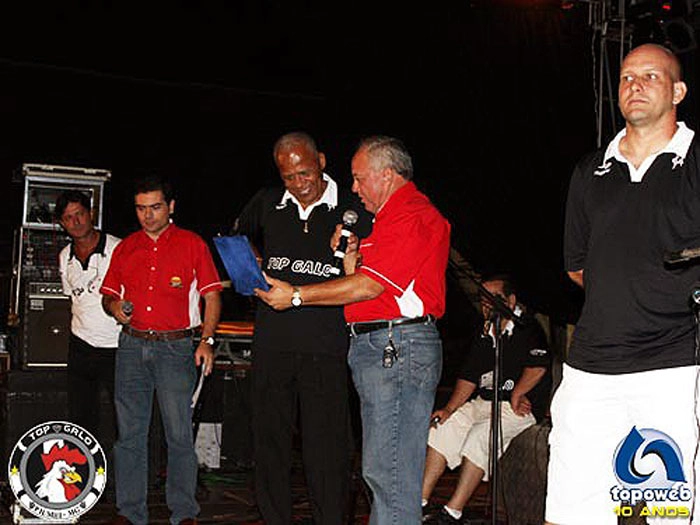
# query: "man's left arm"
{"points": [[352, 288], [528, 379], [212, 313], [349, 289]]}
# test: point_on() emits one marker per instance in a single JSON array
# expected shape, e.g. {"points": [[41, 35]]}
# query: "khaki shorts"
{"points": [[467, 433]]}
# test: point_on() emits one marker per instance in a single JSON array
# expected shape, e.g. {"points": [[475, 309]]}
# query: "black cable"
{"points": [[696, 317]]}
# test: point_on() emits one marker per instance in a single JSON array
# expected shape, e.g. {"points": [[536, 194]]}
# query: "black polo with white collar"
{"points": [[637, 314]]}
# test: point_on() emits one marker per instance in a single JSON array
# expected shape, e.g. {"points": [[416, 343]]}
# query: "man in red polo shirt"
{"points": [[153, 288], [392, 300]]}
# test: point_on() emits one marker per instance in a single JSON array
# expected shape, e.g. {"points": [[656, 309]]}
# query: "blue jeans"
{"points": [[395, 405], [166, 367]]}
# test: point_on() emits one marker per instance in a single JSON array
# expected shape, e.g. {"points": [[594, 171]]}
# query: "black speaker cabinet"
{"points": [[30, 398], [225, 398], [45, 327]]}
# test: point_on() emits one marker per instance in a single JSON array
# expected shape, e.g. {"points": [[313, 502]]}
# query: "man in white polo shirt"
{"points": [[93, 339]]}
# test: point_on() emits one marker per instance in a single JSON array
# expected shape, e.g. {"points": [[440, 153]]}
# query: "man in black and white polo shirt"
{"points": [[94, 335], [299, 355], [631, 364], [461, 435]]}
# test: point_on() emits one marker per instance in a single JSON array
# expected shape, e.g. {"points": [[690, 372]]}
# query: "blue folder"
{"points": [[239, 261]]}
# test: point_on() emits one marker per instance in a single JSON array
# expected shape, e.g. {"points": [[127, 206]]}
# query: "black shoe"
{"points": [[444, 518], [430, 512]]}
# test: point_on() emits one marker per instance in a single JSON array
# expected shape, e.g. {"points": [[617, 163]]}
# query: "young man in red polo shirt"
{"points": [[393, 299], [153, 288]]}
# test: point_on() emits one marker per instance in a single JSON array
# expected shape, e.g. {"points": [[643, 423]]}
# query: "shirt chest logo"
{"points": [[175, 282], [603, 169]]}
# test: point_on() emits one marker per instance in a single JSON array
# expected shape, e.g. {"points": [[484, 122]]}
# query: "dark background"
{"points": [[495, 100]]}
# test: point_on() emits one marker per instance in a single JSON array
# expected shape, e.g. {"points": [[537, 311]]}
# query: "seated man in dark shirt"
{"points": [[462, 434]]}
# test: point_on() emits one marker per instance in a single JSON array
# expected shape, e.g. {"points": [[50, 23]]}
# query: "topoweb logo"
{"points": [[648, 465]]}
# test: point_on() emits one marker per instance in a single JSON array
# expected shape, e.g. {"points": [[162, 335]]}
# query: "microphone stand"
{"points": [[695, 305], [499, 312]]}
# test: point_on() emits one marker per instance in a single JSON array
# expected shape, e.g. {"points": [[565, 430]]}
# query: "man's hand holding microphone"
{"points": [[120, 309]]}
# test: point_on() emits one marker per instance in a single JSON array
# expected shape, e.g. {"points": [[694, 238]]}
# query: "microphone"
{"points": [[349, 219], [128, 308]]}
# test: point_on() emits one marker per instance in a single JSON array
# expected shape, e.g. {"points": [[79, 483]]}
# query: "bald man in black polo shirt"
{"points": [[627, 394]]}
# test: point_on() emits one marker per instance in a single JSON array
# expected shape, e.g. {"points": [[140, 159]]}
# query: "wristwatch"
{"points": [[209, 340], [296, 297]]}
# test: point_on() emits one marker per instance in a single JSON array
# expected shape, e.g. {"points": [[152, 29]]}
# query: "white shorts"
{"points": [[467, 433], [591, 415]]}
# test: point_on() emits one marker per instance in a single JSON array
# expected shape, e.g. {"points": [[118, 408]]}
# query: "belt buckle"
{"points": [[152, 335]]}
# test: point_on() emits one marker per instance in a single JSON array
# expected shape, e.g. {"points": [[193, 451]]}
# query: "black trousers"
{"points": [[90, 370], [315, 387]]}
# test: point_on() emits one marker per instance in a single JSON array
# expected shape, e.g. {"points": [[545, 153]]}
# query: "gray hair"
{"points": [[295, 138], [388, 152]]}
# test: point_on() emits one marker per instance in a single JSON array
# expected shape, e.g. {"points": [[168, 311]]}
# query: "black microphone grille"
{"points": [[350, 217]]}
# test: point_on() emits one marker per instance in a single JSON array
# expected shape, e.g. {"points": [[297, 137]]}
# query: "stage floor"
{"points": [[226, 496]]}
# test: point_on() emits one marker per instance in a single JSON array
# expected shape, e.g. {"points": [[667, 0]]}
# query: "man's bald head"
{"points": [[673, 65]]}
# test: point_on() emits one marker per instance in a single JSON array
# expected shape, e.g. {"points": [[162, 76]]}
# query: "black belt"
{"points": [[364, 328], [155, 335]]}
